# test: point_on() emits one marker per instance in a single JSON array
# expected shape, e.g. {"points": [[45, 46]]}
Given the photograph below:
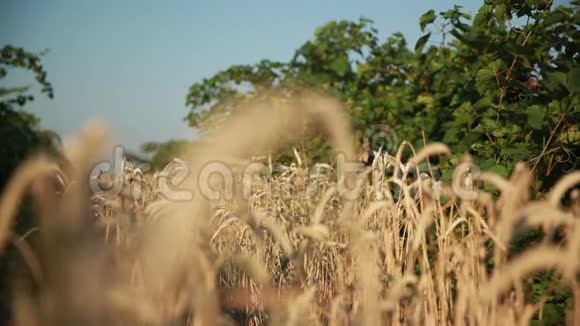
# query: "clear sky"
{"points": [[132, 62]]}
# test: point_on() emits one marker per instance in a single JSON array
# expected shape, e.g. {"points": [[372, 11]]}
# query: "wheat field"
{"points": [[291, 245]]}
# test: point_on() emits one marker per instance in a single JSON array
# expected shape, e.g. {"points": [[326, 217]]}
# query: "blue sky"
{"points": [[131, 62]]}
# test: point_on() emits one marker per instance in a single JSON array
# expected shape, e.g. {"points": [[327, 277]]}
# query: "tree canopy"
{"points": [[502, 85], [20, 133]]}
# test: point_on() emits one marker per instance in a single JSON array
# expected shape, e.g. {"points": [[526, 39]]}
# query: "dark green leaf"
{"points": [[421, 42], [340, 65], [427, 18], [536, 115]]}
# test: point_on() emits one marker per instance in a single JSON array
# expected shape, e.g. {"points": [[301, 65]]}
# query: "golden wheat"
{"points": [[293, 249]]}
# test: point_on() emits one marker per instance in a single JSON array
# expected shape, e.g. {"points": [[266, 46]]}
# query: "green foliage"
{"points": [[427, 18], [502, 85], [20, 134], [13, 57], [558, 298]]}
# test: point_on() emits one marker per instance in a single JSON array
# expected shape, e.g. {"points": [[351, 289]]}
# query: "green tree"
{"points": [[20, 133], [502, 85], [20, 136]]}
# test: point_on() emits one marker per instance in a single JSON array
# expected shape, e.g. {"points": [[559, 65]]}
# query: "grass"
{"points": [[290, 249]]}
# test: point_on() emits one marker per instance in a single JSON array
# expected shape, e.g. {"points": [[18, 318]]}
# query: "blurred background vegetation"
{"points": [[502, 85]]}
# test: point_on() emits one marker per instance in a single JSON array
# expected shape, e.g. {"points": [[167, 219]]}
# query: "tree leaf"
{"points": [[483, 16], [573, 82], [536, 115], [340, 65], [500, 170], [450, 135], [421, 43], [427, 18], [485, 78]]}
